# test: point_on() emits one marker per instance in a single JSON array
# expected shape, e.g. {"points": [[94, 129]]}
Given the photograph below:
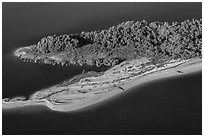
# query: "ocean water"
{"points": [[166, 106], [171, 106]]}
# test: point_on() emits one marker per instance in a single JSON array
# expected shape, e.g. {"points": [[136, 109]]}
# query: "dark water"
{"points": [[170, 106], [167, 106]]}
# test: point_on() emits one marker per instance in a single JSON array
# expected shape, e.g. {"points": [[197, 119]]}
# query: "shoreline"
{"points": [[96, 100], [114, 94]]}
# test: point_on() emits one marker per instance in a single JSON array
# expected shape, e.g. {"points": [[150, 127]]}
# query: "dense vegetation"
{"points": [[159, 41]]}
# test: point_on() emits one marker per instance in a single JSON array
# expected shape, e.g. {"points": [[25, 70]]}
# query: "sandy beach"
{"points": [[186, 69], [91, 99]]}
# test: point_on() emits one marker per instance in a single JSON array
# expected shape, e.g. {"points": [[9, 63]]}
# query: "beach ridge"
{"points": [[90, 91]]}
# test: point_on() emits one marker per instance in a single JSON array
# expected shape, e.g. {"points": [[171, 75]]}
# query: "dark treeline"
{"points": [[159, 41]]}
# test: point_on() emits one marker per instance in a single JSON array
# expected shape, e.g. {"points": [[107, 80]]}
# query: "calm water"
{"points": [[167, 106], [170, 106]]}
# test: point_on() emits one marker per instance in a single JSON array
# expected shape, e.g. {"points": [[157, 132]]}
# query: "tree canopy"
{"points": [[159, 41]]}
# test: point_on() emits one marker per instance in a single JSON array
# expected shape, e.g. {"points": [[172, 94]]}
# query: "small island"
{"points": [[135, 52]]}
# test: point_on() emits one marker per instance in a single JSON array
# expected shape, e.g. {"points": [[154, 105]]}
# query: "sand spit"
{"points": [[90, 91]]}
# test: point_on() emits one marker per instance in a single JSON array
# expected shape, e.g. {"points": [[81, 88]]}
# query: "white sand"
{"points": [[185, 68], [90, 102]]}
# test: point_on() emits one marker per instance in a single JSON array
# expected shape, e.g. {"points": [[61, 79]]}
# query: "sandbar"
{"points": [[92, 91]]}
